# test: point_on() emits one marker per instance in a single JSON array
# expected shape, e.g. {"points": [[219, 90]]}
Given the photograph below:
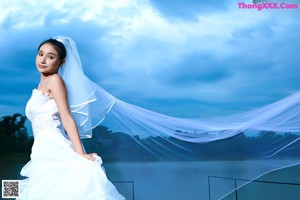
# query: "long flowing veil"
{"points": [[269, 134]]}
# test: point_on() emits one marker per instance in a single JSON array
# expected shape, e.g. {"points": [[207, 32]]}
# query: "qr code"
{"points": [[10, 188]]}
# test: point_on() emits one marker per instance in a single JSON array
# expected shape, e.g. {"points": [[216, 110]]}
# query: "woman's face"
{"points": [[47, 60]]}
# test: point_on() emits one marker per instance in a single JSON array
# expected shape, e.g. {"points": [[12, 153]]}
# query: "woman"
{"points": [[59, 168]]}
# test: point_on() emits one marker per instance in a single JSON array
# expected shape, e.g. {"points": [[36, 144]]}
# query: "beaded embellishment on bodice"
{"points": [[42, 111]]}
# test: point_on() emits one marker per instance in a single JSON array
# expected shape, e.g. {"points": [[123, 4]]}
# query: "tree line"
{"points": [[14, 137], [118, 146]]}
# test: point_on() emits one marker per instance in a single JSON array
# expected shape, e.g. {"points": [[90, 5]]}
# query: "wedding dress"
{"points": [[56, 171]]}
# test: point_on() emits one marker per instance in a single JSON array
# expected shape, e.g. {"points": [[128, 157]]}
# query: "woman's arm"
{"points": [[58, 92]]}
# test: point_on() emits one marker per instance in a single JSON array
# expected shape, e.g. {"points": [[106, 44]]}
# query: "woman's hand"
{"points": [[91, 156]]}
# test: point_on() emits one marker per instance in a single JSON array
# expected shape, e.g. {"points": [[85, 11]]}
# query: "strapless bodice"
{"points": [[42, 111]]}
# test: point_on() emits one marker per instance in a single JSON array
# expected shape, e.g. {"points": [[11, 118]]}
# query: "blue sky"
{"points": [[183, 58]]}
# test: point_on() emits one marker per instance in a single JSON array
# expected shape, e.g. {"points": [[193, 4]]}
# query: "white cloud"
{"points": [[150, 42], [141, 42]]}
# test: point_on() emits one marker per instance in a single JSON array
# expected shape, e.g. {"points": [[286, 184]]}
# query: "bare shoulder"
{"points": [[56, 83], [58, 92], [55, 78]]}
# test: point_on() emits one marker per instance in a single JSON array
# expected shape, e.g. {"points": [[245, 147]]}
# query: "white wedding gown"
{"points": [[56, 171]]}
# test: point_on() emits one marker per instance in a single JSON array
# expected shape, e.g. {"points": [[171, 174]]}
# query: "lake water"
{"points": [[187, 180]]}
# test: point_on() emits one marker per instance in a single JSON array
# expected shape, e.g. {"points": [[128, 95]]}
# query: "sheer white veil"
{"points": [[91, 105], [88, 104]]}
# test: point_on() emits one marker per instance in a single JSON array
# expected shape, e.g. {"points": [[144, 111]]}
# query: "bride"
{"points": [[67, 105], [59, 167]]}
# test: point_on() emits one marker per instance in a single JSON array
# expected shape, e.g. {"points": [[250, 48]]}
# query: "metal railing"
{"points": [[127, 182], [245, 180]]}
